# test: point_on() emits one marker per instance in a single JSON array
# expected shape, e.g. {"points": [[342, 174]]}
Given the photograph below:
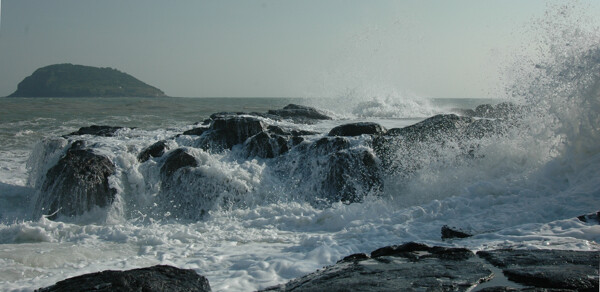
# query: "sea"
{"points": [[523, 189]]}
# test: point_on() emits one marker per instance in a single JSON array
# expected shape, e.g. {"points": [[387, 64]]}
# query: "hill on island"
{"points": [[68, 80]]}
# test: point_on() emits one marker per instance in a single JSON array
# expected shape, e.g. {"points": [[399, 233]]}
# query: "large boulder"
{"points": [[332, 170], [357, 129], [155, 150], [230, 130], [436, 127], [300, 113], [104, 131], [177, 159], [160, 278], [76, 184]]}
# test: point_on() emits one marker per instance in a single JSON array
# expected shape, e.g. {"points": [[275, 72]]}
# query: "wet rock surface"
{"points": [[155, 150], [561, 269], [299, 113], [453, 232], [152, 279], [408, 267], [593, 218], [104, 131], [418, 267], [76, 184], [357, 129], [177, 159]]}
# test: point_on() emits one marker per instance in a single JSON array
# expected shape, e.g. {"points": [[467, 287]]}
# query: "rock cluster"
{"points": [[332, 166], [407, 267]]}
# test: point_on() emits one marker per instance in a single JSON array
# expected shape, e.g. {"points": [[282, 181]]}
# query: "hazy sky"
{"points": [[273, 48]]}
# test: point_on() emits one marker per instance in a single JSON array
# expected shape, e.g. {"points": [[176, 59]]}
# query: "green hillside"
{"points": [[68, 80]]}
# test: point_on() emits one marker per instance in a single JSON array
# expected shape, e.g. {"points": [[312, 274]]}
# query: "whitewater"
{"points": [[522, 189]]}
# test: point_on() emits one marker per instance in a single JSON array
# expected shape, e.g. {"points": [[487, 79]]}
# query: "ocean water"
{"points": [[524, 189]]}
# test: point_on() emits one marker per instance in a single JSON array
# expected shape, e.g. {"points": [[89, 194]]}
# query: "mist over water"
{"points": [[522, 187]]}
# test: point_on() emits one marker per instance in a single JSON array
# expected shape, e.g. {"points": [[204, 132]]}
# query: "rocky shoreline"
{"points": [[345, 174], [407, 267]]}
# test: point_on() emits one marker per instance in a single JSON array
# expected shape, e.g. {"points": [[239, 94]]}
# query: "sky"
{"points": [[274, 48]]}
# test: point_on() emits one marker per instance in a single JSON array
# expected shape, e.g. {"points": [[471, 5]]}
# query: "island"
{"points": [[69, 80]]}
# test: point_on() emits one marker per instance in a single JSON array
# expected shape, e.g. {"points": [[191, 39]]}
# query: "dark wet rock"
{"points": [[331, 170], [328, 145], [228, 131], [177, 159], [160, 278], [299, 113], [350, 175], [410, 267], [273, 142], [434, 127], [453, 232], [265, 145], [289, 132], [196, 131], [255, 137], [104, 131], [530, 289], [561, 269], [590, 218], [76, 184], [155, 150], [415, 251], [357, 129], [478, 129], [503, 110]]}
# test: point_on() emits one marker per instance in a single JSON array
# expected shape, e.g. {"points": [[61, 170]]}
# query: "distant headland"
{"points": [[68, 80]]}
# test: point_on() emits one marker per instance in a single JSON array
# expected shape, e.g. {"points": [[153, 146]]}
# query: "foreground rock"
{"points": [[562, 269], [76, 184], [151, 279], [408, 267], [418, 267]]}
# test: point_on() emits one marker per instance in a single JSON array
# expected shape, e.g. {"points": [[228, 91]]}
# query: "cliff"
{"points": [[68, 80]]}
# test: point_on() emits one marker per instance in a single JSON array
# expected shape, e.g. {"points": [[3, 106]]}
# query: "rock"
{"points": [[590, 218], [227, 131], [299, 113], [196, 131], [104, 131], [177, 159], [449, 232], [68, 80], [503, 110], [438, 126], [160, 278], [155, 150], [76, 184], [265, 145], [409, 267], [562, 269], [357, 129], [350, 175]]}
